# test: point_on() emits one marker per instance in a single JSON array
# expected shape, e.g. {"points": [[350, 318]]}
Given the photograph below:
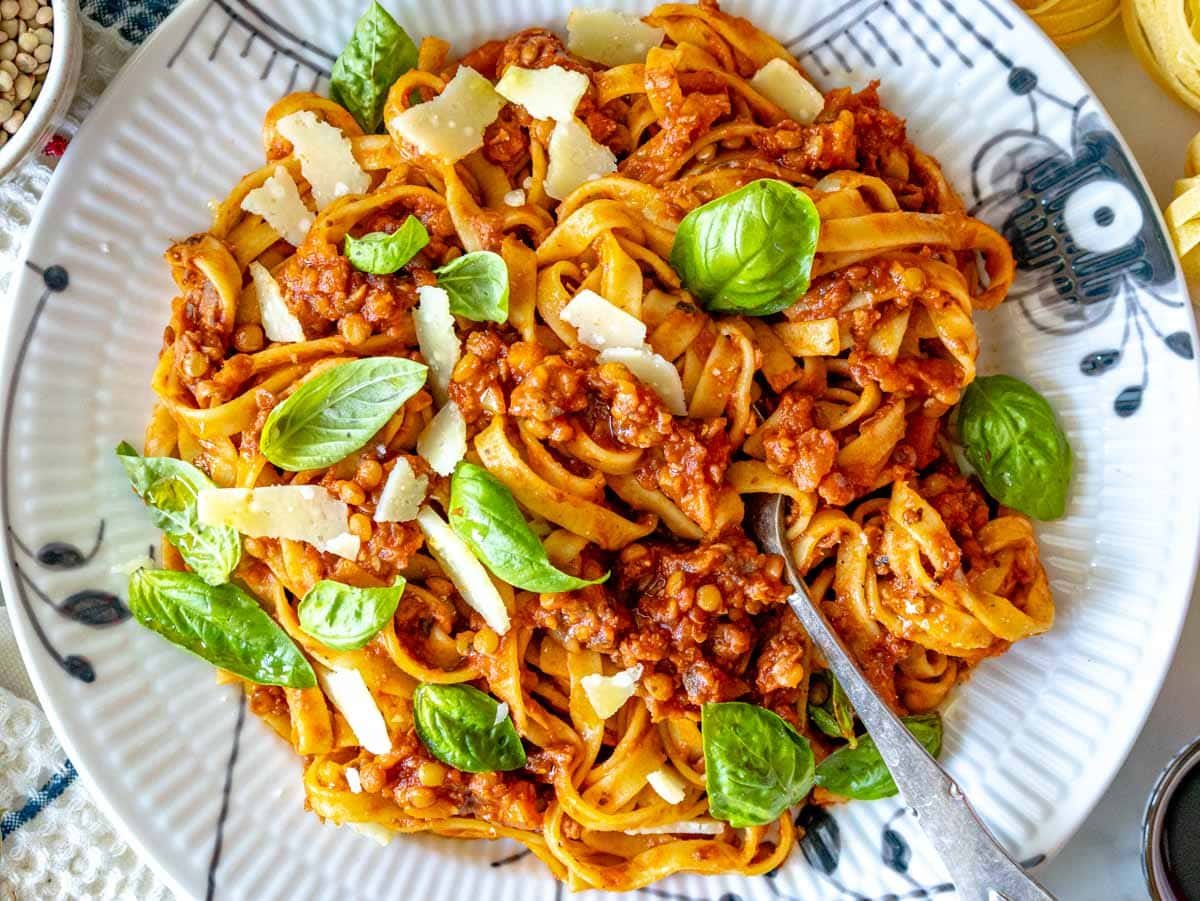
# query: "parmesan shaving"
{"points": [[608, 694], [402, 495], [668, 784], [550, 93], [354, 780], [278, 202], [601, 324], [652, 370], [373, 831], [297, 512], [443, 443], [610, 37], [326, 157], [688, 827], [467, 573], [501, 713], [575, 158], [451, 125], [781, 83], [278, 322], [435, 335], [350, 695]]}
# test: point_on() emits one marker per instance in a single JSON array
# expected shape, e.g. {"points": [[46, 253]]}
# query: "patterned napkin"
{"points": [[54, 843]]}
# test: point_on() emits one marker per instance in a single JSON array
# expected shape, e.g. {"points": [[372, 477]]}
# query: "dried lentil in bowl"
{"points": [[26, 39]]}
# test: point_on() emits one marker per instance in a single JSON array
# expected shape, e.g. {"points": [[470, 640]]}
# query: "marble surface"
{"points": [[1103, 860]]}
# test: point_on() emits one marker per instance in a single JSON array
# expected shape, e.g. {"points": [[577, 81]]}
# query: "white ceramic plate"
{"points": [[1100, 323]]}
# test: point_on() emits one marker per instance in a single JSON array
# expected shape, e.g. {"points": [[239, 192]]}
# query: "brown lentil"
{"points": [[360, 526], [486, 641], [431, 774], [350, 492], [369, 474], [249, 338]]}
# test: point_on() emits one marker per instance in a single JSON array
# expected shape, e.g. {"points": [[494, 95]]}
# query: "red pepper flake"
{"points": [[56, 146]]}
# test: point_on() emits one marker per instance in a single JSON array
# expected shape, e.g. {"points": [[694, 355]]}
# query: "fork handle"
{"points": [[979, 867]]}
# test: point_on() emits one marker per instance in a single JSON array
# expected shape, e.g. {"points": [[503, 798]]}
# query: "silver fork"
{"points": [[979, 867]]}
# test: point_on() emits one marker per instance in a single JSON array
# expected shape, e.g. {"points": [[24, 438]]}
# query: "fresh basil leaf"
{"points": [[484, 514], [345, 617], [218, 623], [478, 286], [461, 726], [335, 413], [860, 772], [756, 765], [834, 715], [1011, 438], [170, 487], [379, 52], [382, 253], [750, 251]]}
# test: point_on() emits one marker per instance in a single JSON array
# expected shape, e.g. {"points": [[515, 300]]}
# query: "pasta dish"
{"points": [[462, 394]]}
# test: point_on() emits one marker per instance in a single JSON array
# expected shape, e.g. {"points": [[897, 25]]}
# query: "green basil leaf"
{"points": [[1011, 438], [169, 487], [484, 514], [459, 725], [756, 765], [478, 286], [382, 253], [379, 52], [860, 772], [335, 413], [835, 714], [345, 617], [750, 251], [218, 623]]}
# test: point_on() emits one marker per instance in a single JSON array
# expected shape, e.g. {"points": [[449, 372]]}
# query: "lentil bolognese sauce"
{"points": [[461, 394]]}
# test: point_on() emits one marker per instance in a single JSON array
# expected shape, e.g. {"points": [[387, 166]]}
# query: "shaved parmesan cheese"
{"points": [[443, 442], [467, 573], [373, 831], [550, 93], [354, 780], [668, 784], [516, 197], [656, 372], [610, 37], [575, 158], [325, 155], [129, 567], [501, 713], [350, 695], [601, 324], [608, 694], [298, 512], [689, 827], [278, 201], [781, 83], [278, 322], [435, 334], [402, 495], [451, 124]]}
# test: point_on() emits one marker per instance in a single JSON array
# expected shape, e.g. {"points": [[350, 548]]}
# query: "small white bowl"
{"points": [[57, 90]]}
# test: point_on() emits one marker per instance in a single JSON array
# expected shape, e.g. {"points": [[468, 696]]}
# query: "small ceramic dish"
{"points": [[1161, 862], [57, 90]]}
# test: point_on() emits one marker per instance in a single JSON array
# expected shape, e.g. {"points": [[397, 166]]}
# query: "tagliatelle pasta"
{"points": [[1162, 35], [609, 445], [1070, 21]]}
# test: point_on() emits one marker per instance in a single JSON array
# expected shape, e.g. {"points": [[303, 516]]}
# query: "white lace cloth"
{"points": [[56, 845]]}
